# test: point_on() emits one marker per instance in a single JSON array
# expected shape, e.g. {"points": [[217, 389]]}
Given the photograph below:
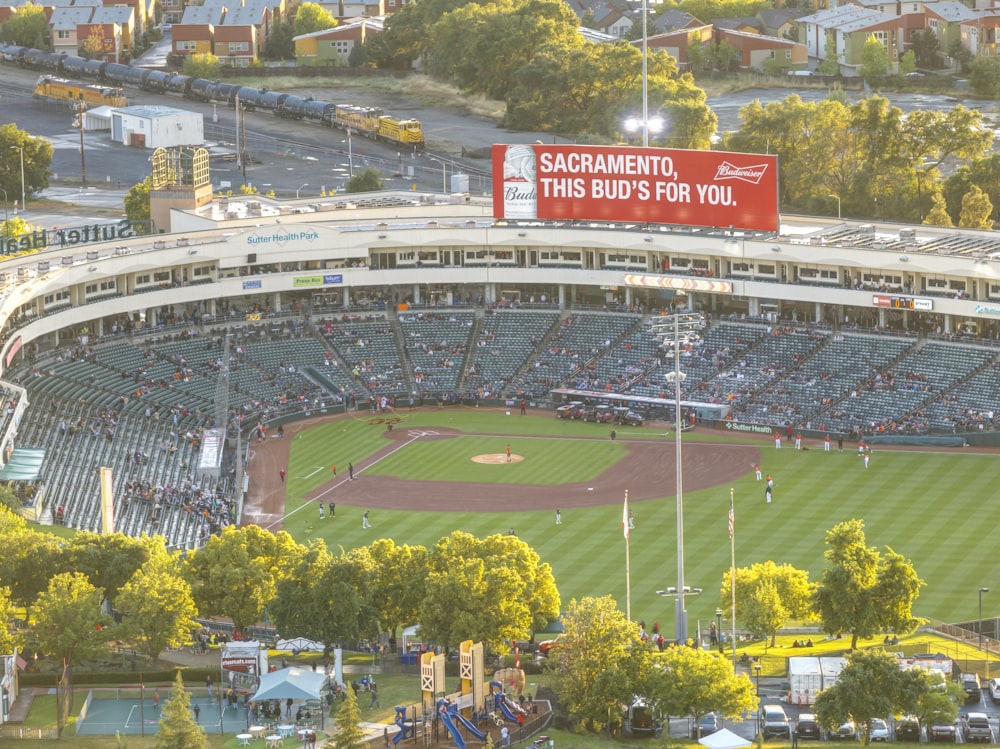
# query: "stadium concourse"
{"points": [[132, 355]]}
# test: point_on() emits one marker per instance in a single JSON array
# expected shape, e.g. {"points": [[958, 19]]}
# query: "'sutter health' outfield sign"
{"points": [[647, 185]]}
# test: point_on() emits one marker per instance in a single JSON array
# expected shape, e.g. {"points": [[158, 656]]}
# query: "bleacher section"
{"points": [[138, 406]]}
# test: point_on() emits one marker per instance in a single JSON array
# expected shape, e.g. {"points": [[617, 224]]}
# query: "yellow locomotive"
{"points": [[50, 87], [372, 122]]}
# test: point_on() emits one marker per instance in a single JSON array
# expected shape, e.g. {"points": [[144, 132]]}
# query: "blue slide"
{"points": [[405, 726], [501, 701], [443, 714], [469, 725]]}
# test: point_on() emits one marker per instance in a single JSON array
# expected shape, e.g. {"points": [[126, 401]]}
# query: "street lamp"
{"points": [[718, 628], [980, 627], [6, 218], [837, 198], [24, 205], [444, 174], [297, 189], [646, 125], [756, 667]]}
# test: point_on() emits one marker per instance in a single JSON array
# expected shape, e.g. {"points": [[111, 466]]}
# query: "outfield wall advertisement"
{"points": [[648, 185]]}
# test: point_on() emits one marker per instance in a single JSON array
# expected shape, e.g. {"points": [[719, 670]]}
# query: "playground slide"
{"points": [[501, 700], [452, 728], [469, 725], [405, 726]]}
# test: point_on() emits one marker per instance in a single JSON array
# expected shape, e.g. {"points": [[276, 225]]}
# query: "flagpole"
{"points": [[732, 566], [628, 573]]}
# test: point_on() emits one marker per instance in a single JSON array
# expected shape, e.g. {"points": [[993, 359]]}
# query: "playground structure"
{"points": [[477, 712]]}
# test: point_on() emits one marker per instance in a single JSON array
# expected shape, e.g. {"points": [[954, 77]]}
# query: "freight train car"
{"points": [[94, 95]]}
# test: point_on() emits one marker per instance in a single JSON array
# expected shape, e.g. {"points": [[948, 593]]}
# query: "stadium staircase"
{"points": [[519, 378], [478, 322], [403, 350]]}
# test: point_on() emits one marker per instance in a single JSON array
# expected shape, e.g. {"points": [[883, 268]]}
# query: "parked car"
{"points": [[628, 417], [994, 687], [972, 688], [846, 731], [571, 410], [640, 720], [878, 730], [709, 724], [908, 728], [808, 727], [976, 727], [942, 732], [600, 415], [774, 722]]}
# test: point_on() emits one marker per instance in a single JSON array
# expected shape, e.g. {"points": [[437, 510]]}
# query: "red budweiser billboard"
{"points": [[647, 185]]}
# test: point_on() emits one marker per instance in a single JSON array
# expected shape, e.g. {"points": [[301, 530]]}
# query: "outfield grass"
{"points": [[928, 506]]}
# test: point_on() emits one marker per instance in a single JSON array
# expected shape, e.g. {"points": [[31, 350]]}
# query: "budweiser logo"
{"points": [[751, 174]]}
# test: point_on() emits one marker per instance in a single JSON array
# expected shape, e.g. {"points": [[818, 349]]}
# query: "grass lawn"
{"points": [[926, 505]]}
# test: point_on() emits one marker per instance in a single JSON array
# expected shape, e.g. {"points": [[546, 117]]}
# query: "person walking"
{"points": [[798, 440], [523, 407], [777, 440], [208, 684], [631, 520], [364, 520], [757, 472], [508, 453], [767, 494], [334, 468], [350, 470], [156, 699], [197, 711], [840, 443], [770, 482], [333, 509], [374, 701], [321, 515], [558, 517], [868, 456], [826, 444], [281, 474]]}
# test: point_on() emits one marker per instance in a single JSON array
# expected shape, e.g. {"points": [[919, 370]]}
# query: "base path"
{"points": [[647, 471]]}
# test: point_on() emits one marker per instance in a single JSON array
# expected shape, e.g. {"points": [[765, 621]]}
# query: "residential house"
{"points": [[945, 19], [764, 53], [239, 39], [751, 25], [333, 46], [196, 31], [979, 35], [63, 25], [616, 22], [677, 43], [850, 27], [674, 20], [780, 22], [113, 25]]}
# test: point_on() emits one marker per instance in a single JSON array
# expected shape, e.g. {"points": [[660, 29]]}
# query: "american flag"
{"points": [[732, 519]]}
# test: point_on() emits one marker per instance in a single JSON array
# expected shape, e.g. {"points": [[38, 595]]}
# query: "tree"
{"points": [[15, 226], [874, 59], [830, 64], [392, 581], [348, 733], [908, 63], [367, 180], [319, 599], [768, 595], [69, 623], [178, 729], [8, 640], [495, 590], [201, 65], [872, 685], [157, 605], [982, 172], [94, 46], [137, 201], [236, 573], [598, 662], [29, 560], [863, 591], [984, 76], [280, 43], [938, 703], [28, 27], [108, 561], [312, 17], [37, 160], [690, 681], [926, 48], [976, 210], [938, 215]]}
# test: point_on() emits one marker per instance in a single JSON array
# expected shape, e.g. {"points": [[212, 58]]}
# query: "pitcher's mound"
{"points": [[497, 458]]}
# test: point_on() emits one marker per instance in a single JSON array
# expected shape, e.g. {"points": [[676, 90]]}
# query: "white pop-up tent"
{"points": [[296, 683], [724, 739]]}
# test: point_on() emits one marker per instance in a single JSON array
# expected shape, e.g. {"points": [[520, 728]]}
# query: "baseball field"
{"points": [[437, 471]]}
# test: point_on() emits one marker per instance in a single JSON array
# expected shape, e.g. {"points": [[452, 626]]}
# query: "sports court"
{"points": [[131, 711]]}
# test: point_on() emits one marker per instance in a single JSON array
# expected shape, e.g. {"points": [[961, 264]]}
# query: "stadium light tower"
{"points": [[675, 331]]}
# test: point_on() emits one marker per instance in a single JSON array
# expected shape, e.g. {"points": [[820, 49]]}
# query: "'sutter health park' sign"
{"points": [[647, 185]]}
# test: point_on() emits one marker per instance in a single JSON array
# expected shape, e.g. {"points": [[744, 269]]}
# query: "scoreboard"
{"points": [[903, 302]]}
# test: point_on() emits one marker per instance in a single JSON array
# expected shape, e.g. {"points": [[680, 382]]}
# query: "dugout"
{"points": [[651, 408]]}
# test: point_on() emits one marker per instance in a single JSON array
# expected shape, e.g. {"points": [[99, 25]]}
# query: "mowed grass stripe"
{"points": [[546, 461], [930, 507]]}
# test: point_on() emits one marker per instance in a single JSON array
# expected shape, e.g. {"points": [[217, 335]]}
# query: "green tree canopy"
{"points": [[347, 733], [37, 160], [874, 59], [8, 639], [157, 604], [862, 590], [69, 623], [938, 215], [201, 65], [872, 685], [178, 729], [598, 662], [392, 581], [976, 210], [108, 561], [236, 573], [367, 180], [312, 17], [28, 27], [691, 681], [29, 560], [280, 44], [768, 595], [137, 201], [496, 590]]}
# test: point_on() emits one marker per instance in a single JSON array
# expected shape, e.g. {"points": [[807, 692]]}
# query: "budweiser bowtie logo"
{"points": [[751, 174]]}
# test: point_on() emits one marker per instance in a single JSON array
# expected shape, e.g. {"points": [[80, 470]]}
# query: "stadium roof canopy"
{"points": [[25, 464]]}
